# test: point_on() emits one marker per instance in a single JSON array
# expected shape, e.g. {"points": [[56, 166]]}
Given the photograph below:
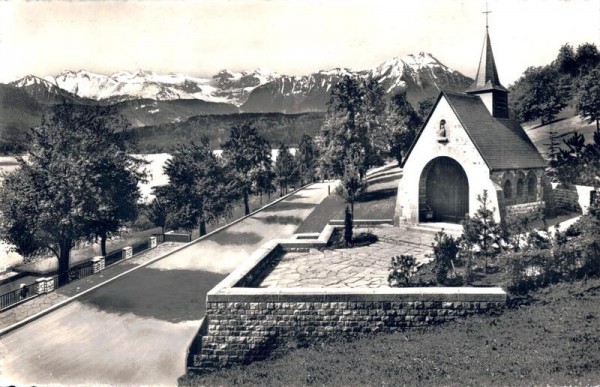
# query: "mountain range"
{"points": [[149, 99]]}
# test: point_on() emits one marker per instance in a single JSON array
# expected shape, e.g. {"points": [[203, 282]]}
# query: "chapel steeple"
{"points": [[487, 83]]}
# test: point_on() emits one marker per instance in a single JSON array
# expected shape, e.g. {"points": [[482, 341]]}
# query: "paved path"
{"points": [[366, 266], [37, 304], [136, 329]]}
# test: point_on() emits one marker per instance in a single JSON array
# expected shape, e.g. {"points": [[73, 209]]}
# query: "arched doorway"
{"points": [[443, 191]]}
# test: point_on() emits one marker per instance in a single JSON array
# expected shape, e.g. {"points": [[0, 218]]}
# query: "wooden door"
{"points": [[447, 191]]}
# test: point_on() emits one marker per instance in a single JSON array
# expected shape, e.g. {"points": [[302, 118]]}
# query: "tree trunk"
{"points": [[202, 228], [63, 262], [261, 198], [103, 244], [246, 206]]}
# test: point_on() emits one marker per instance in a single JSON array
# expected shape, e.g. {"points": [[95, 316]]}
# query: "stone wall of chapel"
{"points": [[529, 200], [458, 147]]}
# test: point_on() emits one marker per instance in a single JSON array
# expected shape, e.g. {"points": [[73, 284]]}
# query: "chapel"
{"points": [[470, 143]]}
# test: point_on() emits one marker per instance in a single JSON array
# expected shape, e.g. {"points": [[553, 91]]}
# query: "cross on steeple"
{"points": [[486, 15]]}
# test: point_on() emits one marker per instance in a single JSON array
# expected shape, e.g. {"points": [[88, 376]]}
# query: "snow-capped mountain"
{"points": [[294, 94], [225, 87], [421, 75], [45, 92]]}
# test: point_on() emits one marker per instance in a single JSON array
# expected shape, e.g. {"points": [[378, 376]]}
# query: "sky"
{"points": [[291, 37]]}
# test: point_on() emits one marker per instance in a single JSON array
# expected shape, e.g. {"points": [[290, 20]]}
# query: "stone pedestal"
{"points": [[49, 284], [40, 286], [44, 285], [127, 252], [98, 264], [153, 242]]}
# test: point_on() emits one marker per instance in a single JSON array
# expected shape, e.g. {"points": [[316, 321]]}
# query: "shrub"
{"points": [[482, 235], [530, 269], [402, 269], [445, 249]]}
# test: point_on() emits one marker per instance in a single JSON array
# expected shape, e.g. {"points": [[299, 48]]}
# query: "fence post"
{"points": [[127, 252], [152, 243], [98, 264], [49, 284], [40, 286]]}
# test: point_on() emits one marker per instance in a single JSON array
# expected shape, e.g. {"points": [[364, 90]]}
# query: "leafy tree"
{"points": [[579, 163], [69, 186], [158, 213], [587, 58], [565, 61], [372, 117], [285, 168], [482, 235], [307, 157], [245, 156], [113, 176], [352, 185], [264, 180], [354, 119], [538, 94], [403, 124], [425, 107], [587, 100], [196, 193]]}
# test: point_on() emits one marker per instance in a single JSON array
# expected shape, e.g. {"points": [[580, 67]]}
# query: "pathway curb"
{"points": [[73, 298]]}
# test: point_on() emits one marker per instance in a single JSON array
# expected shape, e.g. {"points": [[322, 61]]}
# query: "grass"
{"points": [[553, 338], [566, 123]]}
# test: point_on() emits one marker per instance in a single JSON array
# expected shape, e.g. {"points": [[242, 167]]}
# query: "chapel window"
{"points": [[531, 186], [520, 187], [507, 189]]}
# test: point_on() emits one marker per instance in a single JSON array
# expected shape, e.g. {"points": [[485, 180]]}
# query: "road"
{"points": [[136, 330]]}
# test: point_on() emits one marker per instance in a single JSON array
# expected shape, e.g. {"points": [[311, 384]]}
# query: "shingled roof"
{"points": [[502, 142]]}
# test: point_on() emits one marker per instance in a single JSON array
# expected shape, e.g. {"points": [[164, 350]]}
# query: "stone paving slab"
{"points": [[366, 266], [40, 303]]}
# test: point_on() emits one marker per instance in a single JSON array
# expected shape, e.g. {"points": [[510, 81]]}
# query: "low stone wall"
{"points": [[565, 196], [533, 210], [244, 323], [573, 197]]}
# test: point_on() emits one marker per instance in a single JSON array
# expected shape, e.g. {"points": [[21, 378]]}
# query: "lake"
{"points": [[156, 177]]}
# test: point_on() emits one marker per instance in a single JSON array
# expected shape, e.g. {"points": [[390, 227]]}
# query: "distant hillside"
{"points": [[18, 112], [275, 127], [565, 124]]}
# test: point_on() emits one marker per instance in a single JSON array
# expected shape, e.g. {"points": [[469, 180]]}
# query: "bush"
{"points": [[530, 269], [445, 249], [402, 269]]}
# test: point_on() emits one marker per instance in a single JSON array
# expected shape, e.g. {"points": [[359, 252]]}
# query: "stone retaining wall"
{"points": [[566, 197], [246, 324], [533, 210]]}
